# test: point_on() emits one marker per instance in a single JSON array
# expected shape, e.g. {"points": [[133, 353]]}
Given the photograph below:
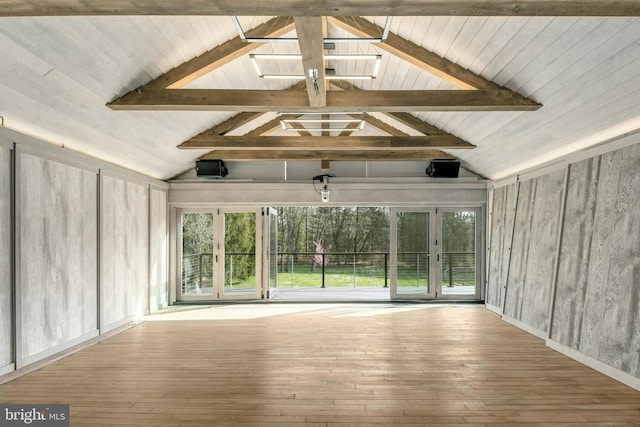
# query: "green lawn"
{"points": [[345, 276], [365, 276]]}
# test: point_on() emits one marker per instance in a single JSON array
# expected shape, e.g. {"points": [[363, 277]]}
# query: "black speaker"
{"points": [[211, 168], [443, 169]]}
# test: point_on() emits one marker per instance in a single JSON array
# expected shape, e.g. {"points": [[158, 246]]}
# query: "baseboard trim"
{"points": [[59, 348], [496, 310], [7, 369], [118, 324], [599, 366], [12, 375], [527, 328]]}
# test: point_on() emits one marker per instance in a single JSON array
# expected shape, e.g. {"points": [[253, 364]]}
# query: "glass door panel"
{"points": [[411, 255], [459, 266], [198, 271], [273, 251], [239, 252]]}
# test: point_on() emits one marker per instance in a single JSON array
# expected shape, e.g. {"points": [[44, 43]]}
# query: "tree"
{"points": [[240, 245]]}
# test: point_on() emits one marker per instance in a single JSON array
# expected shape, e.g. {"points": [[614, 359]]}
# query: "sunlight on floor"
{"points": [[256, 311]]}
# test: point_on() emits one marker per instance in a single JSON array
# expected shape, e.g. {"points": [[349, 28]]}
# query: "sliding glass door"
{"points": [[412, 246], [220, 255], [461, 258], [436, 253]]}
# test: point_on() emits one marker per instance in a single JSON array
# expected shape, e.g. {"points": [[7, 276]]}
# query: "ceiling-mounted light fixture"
{"points": [[285, 124], [253, 57], [324, 192], [245, 39]]}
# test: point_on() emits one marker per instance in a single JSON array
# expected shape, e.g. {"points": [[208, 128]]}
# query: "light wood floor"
{"points": [[327, 365]]}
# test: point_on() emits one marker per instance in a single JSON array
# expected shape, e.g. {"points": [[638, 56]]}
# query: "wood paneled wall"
{"points": [[6, 318], [125, 250], [82, 255], [503, 212], [574, 271], [596, 310], [58, 253], [533, 250], [158, 250]]}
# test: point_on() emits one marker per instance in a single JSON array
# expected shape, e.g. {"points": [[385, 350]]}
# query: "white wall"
{"points": [[82, 256]]}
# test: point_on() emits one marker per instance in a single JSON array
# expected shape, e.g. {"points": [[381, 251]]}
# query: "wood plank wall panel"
{"points": [[534, 250], [6, 326], [58, 252], [519, 248], [159, 247], [501, 228], [125, 243], [575, 251], [598, 291]]}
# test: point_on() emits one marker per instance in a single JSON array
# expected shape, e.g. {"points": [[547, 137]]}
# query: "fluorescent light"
{"points": [[255, 65], [282, 56], [285, 122], [283, 113], [322, 120], [281, 77], [253, 57], [286, 56], [245, 39], [387, 28], [354, 57]]}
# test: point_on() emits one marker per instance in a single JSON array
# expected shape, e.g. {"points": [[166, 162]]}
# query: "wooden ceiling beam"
{"points": [[414, 54], [309, 30], [337, 101], [405, 118], [220, 55], [338, 143], [233, 123], [323, 8], [271, 155], [380, 125], [243, 118], [348, 130], [415, 123]]}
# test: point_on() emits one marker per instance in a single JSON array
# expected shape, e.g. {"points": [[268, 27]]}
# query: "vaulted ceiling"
{"points": [[148, 89]]}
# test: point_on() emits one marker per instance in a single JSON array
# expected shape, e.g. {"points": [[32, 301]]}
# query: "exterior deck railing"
{"points": [[366, 269]]}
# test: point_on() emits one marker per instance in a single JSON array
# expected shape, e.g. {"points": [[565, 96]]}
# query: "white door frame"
{"points": [[393, 247], [218, 290]]}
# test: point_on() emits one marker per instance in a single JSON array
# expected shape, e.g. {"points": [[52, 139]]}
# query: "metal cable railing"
{"points": [[352, 269]]}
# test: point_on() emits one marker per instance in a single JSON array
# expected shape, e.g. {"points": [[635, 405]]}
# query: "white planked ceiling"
{"points": [[57, 74]]}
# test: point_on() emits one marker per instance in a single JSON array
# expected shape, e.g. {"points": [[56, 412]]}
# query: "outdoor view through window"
{"points": [[333, 247]]}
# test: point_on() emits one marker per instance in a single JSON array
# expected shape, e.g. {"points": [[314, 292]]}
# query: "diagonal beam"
{"points": [[241, 119], [337, 101], [260, 155], [300, 128], [415, 123], [219, 56], [232, 123], [338, 143], [405, 118], [322, 8], [348, 130], [379, 124], [310, 41], [414, 54]]}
